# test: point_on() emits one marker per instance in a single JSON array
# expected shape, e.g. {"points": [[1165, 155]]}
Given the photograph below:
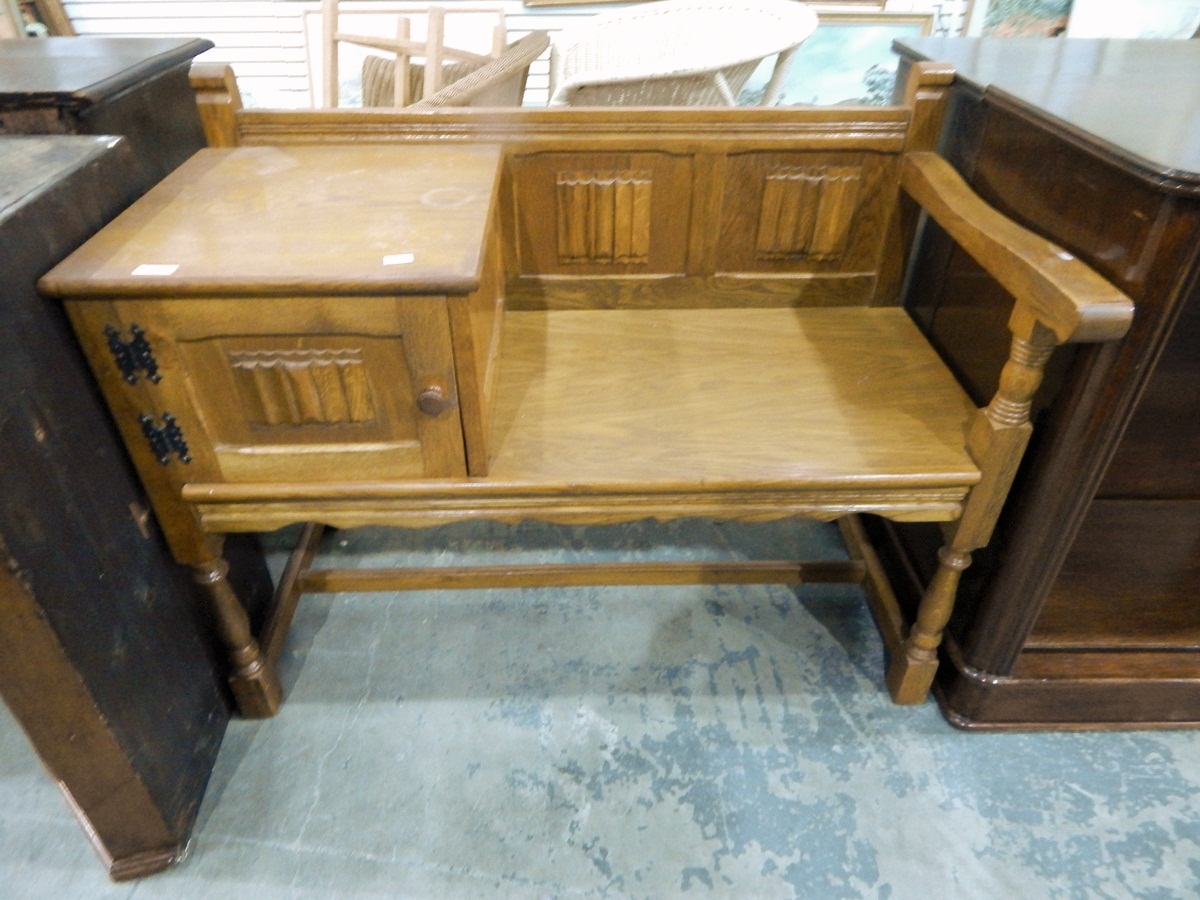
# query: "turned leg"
{"points": [[911, 670], [996, 440], [255, 685]]}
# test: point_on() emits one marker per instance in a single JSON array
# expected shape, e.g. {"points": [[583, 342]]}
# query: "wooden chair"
{"points": [[440, 61], [676, 53], [500, 82]]}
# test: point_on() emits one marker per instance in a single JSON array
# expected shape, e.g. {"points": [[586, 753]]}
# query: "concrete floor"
{"points": [[700, 741]]}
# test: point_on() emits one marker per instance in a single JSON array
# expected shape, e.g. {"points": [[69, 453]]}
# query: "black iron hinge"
{"points": [[166, 439], [134, 355]]}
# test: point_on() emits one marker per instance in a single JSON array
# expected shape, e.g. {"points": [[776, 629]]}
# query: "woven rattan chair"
{"points": [[676, 52], [500, 82]]}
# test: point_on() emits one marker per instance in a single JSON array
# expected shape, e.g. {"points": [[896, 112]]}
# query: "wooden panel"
{"points": [[731, 291], [807, 212], [1129, 581], [1071, 196], [304, 390], [1070, 699], [301, 387], [817, 214], [476, 326], [602, 213], [1113, 665], [74, 740], [604, 217], [1159, 453]]}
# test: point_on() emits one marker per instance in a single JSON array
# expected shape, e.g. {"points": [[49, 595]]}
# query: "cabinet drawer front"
{"points": [[307, 389]]}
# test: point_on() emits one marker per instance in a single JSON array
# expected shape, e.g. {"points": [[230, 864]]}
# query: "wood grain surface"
{"points": [[350, 219]]}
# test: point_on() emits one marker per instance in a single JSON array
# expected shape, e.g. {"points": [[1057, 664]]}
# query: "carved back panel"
{"points": [[613, 206], [669, 207], [708, 226]]}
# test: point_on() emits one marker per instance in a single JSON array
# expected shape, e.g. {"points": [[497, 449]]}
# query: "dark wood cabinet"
{"points": [[136, 87], [107, 657], [97, 624], [1083, 613]]}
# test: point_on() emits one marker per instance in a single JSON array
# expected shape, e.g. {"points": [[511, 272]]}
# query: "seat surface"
{"points": [[726, 398]]}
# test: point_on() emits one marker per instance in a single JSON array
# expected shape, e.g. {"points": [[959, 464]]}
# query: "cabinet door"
{"points": [[302, 389]]}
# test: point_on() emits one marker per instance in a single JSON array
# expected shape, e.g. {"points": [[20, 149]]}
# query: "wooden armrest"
{"points": [[1062, 292]]}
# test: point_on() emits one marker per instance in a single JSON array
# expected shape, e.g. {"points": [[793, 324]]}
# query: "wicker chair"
{"points": [[379, 80], [440, 61], [676, 53], [500, 82]]}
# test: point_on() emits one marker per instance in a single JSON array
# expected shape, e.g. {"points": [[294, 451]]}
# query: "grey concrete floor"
{"points": [[629, 742]]}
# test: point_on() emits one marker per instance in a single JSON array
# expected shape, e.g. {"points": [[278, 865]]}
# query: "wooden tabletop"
{"points": [[1136, 99], [330, 219]]}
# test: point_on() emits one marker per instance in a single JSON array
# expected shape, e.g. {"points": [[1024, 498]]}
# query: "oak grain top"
{"points": [[302, 220]]}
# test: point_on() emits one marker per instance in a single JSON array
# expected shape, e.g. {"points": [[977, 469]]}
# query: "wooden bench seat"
{"points": [[584, 316], [626, 414], [762, 399]]}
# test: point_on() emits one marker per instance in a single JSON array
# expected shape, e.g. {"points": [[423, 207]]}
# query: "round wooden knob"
{"points": [[433, 401]]}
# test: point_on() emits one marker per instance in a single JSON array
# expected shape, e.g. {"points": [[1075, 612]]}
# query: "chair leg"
{"points": [[329, 46], [910, 673], [400, 97], [435, 40], [255, 685]]}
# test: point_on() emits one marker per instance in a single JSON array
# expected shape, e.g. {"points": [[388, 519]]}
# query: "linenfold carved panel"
{"points": [[302, 387], [807, 211], [604, 217]]}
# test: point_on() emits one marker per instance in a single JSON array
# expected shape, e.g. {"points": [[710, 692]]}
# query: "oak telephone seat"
{"points": [[577, 315]]}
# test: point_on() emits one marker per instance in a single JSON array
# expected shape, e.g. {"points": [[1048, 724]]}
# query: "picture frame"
{"points": [[848, 60], [1018, 18], [34, 18]]}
